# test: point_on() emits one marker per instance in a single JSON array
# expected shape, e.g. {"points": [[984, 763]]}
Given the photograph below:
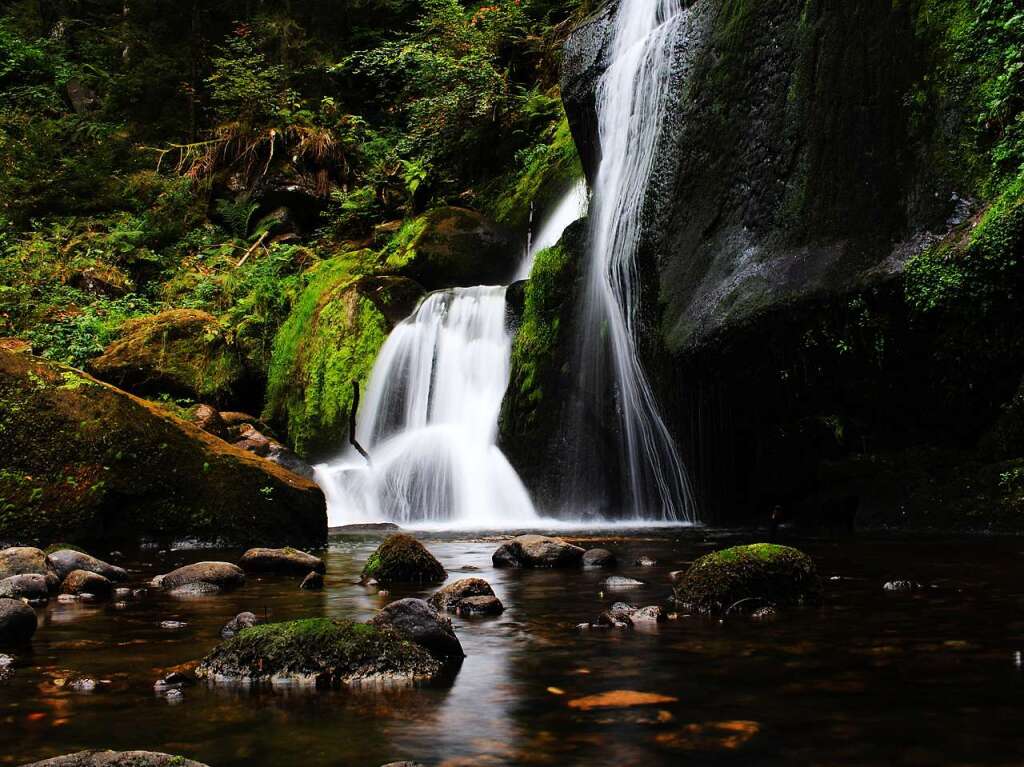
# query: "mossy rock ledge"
{"points": [[321, 652], [402, 559], [87, 462], [761, 572]]}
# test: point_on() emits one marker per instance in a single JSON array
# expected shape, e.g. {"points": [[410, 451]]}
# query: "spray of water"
{"points": [[570, 208], [429, 422], [631, 101]]}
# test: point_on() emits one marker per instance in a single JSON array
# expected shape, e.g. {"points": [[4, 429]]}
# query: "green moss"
{"points": [[403, 559], [63, 547], [535, 349], [332, 651], [545, 171], [764, 572]]}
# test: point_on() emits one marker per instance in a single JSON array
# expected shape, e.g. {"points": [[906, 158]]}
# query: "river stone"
{"points": [[424, 625], [17, 622], [116, 759], [766, 572], [67, 560], [598, 558], [447, 598], [222, 576], [538, 551], [402, 559], [320, 651], [482, 605], [82, 582], [30, 586], [27, 560], [287, 560], [312, 582], [6, 668], [238, 623]]}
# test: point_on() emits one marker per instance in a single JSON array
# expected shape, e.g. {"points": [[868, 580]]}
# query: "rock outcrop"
{"points": [[87, 462]]}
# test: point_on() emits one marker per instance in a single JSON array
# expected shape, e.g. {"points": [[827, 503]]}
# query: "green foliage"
{"points": [[244, 85]]}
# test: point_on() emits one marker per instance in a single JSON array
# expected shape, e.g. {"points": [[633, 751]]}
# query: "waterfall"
{"points": [[570, 208], [429, 421], [631, 99]]}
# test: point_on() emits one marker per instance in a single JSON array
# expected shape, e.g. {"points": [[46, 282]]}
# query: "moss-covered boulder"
{"points": [[181, 351], [403, 559], [453, 247], [84, 461], [760, 572], [320, 651], [330, 340]]}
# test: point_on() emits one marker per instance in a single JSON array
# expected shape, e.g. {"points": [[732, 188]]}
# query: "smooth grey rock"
{"points": [[66, 561], [599, 558], [424, 625], [18, 622], [238, 623]]}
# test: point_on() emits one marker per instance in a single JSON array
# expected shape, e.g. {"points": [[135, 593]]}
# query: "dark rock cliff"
{"points": [[828, 276]]}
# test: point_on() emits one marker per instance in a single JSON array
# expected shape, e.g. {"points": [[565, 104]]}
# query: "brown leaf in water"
{"points": [[556, 691], [620, 699], [710, 735]]}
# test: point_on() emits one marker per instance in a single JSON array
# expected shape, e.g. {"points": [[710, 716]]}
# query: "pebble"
{"points": [[901, 586], [172, 625], [646, 562]]}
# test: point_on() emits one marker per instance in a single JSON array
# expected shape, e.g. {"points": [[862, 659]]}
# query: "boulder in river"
{"points": [[116, 759], [30, 586], [218, 576], [761, 573], [314, 581], [80, 582], [286, 560], [447, 598], [481, 605], [424, 625], [539, 551], [402, 559], [66, 560], [238, 623], [320, 651], [27, 560], [18, 622], [598, 558]]}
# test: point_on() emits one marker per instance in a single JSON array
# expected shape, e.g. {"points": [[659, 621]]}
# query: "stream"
{"points": [[928, 677]]}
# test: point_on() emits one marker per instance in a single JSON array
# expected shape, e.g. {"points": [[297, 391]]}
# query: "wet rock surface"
{"points": [[449, 596], [312, 582], [482, 605], [203, 577], [599, 558], [32, 587], [27, 560], [82, 582], [286, 560], [18, 622], [65, 561], [238, 623], [423, 624], [538, 551], [116, 759]]}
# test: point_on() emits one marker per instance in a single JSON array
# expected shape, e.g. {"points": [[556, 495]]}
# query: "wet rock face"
{"points": [[116, 759], [539, 551], [481, 605], [17, 622], [403, 559], [598, 558], [448, 597], [67, 560], [424, 625], [238, 623], [79, 582], [762, 574], [286, 560], [32, 587], [203, 577], [26, 560], [321, 652]]}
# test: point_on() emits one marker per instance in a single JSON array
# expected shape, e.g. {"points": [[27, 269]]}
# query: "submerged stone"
{"points": [[320, 651], [776, 575], [314, 581], [238, 623], [402, 559], [599, 558], [18, 622]]}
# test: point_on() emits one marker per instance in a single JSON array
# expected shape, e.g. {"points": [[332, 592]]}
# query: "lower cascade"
{"points": [[429, 423]]}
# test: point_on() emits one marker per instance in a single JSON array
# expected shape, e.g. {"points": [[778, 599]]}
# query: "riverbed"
{"points": [[867, 677]]}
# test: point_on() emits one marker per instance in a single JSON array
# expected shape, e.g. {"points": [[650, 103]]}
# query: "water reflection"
{"points": [[867, 677]]}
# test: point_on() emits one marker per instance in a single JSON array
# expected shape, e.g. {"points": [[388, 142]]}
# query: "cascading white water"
{"points": [[631, 101], [429, 421], [570, 208]]}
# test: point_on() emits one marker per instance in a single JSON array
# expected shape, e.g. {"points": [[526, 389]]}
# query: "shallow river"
{"points": [[866, 678]]}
